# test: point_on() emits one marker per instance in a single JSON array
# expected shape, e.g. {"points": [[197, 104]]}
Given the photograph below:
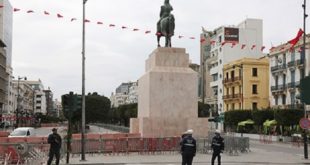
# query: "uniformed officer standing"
{"points": [[188, 148], [217, 146], [54, 140]]}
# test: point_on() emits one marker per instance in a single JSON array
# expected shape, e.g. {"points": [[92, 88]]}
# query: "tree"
{"points": [[97, 108], [203, 109]]}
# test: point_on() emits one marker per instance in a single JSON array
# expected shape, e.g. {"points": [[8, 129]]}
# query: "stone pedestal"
{"points": [[168, 99]]}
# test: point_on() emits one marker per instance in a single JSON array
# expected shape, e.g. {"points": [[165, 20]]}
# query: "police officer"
{"points": [[218, 147], [188, 147], [54, 140]]}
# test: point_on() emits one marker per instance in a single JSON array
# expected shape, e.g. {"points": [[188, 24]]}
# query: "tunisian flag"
{"points": [[294, 41]]}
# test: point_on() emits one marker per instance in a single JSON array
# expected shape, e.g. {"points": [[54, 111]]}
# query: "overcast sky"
{"points": [[49, 48]]}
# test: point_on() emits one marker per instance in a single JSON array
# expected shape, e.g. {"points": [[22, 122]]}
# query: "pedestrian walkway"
{"points": [[257, 156]]}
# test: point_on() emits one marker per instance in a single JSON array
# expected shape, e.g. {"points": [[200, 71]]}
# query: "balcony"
{"points": [[291, 63], [278, 88], [232, 80], [232, 97], [293, 84], [278, 68]]}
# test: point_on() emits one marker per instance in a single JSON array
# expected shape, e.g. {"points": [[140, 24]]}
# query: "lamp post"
{"points": [[83, 86], [18, 100], [303, 76]]}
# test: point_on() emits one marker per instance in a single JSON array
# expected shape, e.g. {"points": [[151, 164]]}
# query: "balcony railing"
{"points": [[278, 67], [293, 84], [278, 88], [233, 96], [291, 63], [231, 80]]}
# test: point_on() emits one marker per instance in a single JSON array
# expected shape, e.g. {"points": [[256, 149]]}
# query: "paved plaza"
{"points": [[260, 154]]}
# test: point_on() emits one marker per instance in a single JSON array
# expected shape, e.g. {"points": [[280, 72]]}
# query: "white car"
{"points": [[23, 132]]}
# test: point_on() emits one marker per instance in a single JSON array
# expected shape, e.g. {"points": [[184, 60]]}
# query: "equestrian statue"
{"points": [[165, 25]]}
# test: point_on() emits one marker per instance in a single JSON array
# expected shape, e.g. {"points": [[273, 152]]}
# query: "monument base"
{"points": [[167, 96], [168, 127]]}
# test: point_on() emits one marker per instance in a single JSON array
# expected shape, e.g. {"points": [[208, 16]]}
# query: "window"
{"points": [[215, 77], [292, 76], [254, 72], [254, 89], [283, 99], [276, 100], [254, 105], [233, 106]]}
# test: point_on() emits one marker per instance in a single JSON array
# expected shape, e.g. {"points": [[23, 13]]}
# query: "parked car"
{"points": [[4, 124], [23, 132]]}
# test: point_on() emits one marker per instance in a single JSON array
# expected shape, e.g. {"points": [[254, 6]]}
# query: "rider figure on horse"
{"points": [[165, 11]]}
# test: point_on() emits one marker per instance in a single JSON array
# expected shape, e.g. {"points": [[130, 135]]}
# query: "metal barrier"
{"points": [[35, 152]]}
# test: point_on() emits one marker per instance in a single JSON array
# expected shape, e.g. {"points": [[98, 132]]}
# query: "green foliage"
{"points": [[96, 108], [125, 112], [288, 117], [203, 109], [260, 116], [232, 118]]}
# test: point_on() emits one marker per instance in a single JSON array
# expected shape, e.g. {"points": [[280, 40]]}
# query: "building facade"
{"points": [[246, 84], [6, 28], [40, 97], [126, 93], [287, 68], [50, 108], [224, 45]]}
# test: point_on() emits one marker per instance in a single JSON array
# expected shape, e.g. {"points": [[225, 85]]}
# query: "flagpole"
{"points": [[83, 87], [303, 76]]}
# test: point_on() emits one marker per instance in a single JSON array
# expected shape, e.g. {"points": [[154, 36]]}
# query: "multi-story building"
{"points": [[287, 66], [246, 84], [133, 93], [50, 109], [121, 95], [40, 98], [226, 44], [3, 78], [6, 24]]}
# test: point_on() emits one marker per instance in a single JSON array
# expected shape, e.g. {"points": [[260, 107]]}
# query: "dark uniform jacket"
{"points": [[217, 144], [54, 140], [188, 146]]}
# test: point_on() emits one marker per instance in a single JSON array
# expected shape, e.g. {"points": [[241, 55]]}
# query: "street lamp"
{"points": [[18, 100], [83, 86]]}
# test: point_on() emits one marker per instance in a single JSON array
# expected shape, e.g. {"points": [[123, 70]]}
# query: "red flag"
{"points": [[242, 46], [294, 41], [202, 40], [135, 30], [158, 34], [212, 42], [16, 9], [46, 13], [86, 20], [111, 25], [30, 11], [192, 38], [73, 19], [59, 16], [181, 36], [262, 48], [223, 43], [253, 46], [99, 23], [124, 27], [148, 31]]}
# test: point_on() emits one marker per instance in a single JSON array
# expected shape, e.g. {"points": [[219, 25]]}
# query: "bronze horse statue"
{"points": [[166, 29]]}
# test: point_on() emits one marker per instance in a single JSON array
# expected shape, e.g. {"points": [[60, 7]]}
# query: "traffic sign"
{"points": [[304, 123]]}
